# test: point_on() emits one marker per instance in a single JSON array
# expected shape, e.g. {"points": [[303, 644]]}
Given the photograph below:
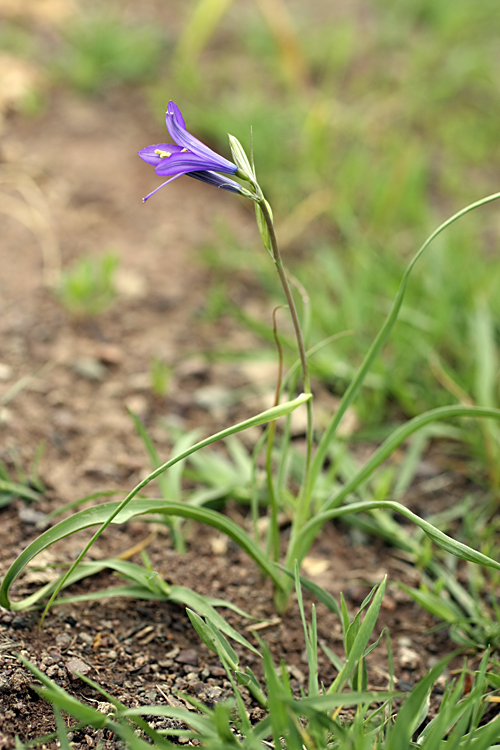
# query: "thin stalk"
{"points": [[288, 294], [301, 514], [273, 541]]}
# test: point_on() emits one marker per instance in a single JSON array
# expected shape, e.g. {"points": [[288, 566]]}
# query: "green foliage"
{"points": [[303, 534], [28, 487], [87, 288], [309, 721], [371, 152], [373, 144], [101, 50], [473, 622], [160, 374], [104, 515]]}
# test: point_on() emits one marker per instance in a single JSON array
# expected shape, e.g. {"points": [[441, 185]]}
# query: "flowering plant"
{"points": [[191, 157], [311, 509], [188, 155]]}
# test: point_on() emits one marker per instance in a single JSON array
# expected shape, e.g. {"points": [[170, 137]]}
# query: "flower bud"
{"points": [[245, 169]]}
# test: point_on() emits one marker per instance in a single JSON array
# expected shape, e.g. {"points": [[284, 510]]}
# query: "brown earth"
{"points": [[73, 186]]}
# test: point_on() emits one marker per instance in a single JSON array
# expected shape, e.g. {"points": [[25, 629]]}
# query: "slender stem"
{"points": [[303, 503], [273, 540], [288, 294]]}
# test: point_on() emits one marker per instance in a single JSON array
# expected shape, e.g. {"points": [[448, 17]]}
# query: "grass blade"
{"points": [[120, 513], [357, 381], [361, 640]]}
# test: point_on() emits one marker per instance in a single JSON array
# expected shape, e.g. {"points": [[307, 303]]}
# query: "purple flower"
{"points": [[188, 156]]}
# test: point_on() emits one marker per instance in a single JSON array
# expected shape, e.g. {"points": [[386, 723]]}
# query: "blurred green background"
{"points": [[372, 123]]}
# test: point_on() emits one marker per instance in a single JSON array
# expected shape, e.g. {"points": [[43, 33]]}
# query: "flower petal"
{"points": [[152, 154], [183, 162], [177, 129], [217, 180], [176, 114]]}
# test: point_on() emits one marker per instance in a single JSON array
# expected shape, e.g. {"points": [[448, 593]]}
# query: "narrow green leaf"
{"points": [[19, 490], [361, 640], [413, 709], [263, 230], [304, 538], [380, 339], [201, 24], [250, 681], [240, 158], [346, 622], [323, 596], [437, 606], [121, 513], [268, 415], [225, 648], [203, 605], [400, 435], [331, 701], [203, 630]]}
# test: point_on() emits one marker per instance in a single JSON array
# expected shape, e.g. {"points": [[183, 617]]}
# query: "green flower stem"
{"points": [[302, 511], [273, 539]]}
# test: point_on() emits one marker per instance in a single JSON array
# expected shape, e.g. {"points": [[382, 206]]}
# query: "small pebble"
{"points": [[404, 685], [63, 640], [77, 667], [217, 671], [86, 638], [408, 658], [188, 656], [89, 368], [32, 517], [55, 654], [23, 622], [109, 354]]}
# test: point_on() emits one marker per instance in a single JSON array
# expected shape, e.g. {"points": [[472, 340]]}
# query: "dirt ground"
{"points": [[75, 181]]}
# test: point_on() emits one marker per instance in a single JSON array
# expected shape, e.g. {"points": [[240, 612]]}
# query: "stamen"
{"points": [[162, 154]]}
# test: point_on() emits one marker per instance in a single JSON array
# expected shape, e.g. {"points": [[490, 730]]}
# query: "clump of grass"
{"points": [[29, 486], [102, 51], [313, 720], [160, 375], [87, 288]]}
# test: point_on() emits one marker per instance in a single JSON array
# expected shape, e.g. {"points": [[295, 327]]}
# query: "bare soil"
{"points": [[68, 383]]}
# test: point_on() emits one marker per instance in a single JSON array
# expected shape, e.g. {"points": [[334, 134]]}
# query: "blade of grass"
{"points": [[356, 383], [268, 415], [305, 536], [120, 513], [361, 641], [442, 540]]}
